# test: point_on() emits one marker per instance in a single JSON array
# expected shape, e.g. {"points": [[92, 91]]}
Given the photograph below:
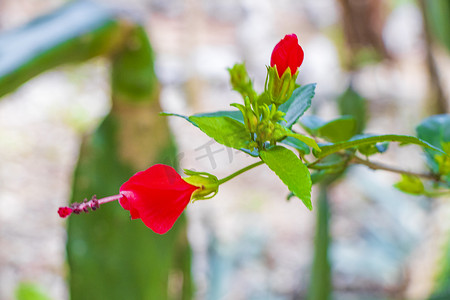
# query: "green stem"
{"points": [[320, 283], [223, 180], [434, 194]]}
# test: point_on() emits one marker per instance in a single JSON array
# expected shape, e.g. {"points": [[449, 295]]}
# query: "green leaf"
{"points": [[410, 184], [333, 163], [443, 162], [352, 104], [367, 139], [167, 114], [337, 130], [305, 139], [233, 114], [225, 130], [317, 176], [291, 170], [254, 152], [297, 144], [372, 149], [311, 124], [299, 102], [435, 130]]}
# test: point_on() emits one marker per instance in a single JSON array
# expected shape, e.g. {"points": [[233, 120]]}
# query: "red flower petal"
{"points": [[287, 53], [157, 196]]}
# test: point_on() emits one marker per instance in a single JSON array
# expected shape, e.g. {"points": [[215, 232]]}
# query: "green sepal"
{"points": [[250, 118], [208, 184], [279, 90], [263, 98]]}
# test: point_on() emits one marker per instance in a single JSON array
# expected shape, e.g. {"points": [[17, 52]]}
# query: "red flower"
{"points": [[287, 53], [157, 196]]}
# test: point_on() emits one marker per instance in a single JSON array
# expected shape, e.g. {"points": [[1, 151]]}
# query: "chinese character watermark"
{"points": [[210, 153]]}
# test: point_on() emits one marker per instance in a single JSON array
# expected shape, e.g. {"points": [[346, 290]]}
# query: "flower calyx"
{"points": [[279, 90], [269, 128], [250, 117], [241, 82], [208, 184]]}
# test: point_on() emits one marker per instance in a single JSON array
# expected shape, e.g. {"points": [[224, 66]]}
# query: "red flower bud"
{"points": [[287, 53], [157, 196]]}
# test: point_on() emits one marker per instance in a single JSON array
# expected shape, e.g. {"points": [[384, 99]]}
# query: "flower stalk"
{"points": [[231, 176]]}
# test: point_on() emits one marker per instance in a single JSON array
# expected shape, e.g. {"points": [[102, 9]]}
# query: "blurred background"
{"points": [[248, 242]]}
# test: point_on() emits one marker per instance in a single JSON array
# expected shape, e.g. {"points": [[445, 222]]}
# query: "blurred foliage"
{"points": [[113, 258], [353, 110], [362, 26], [320, 287], [110, 257], [441, 289], [74, 33], [353, 104], [30, 291], [411, 185], [438, 13], [434, 130], [340, 129], [133, 77]]}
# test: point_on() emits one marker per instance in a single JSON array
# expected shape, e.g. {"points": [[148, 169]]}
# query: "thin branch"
{"points": [[378, 166]]}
